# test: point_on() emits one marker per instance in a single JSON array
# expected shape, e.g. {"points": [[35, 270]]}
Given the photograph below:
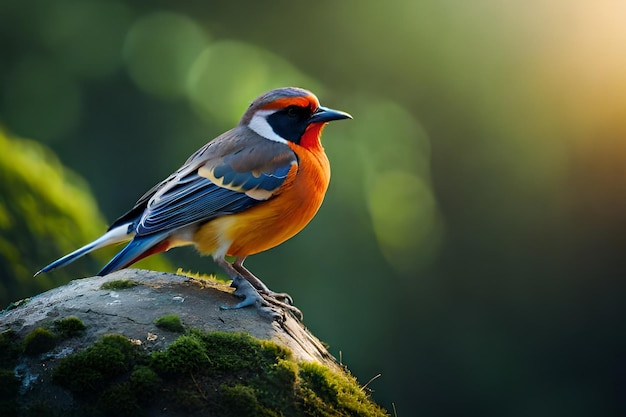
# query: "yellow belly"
{"points": [[271, 222]]}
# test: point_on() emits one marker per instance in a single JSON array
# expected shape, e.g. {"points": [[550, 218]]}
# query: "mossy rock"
{"points": [[191, 376], [198, 374], [39, 341], [108, 356], [90, 371]]}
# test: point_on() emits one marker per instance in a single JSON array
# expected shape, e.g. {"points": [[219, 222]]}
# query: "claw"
{"points": [[254, 291], [266, 305], [280, 296], [285, 306]]}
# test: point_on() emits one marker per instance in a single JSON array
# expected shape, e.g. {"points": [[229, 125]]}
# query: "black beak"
{"points": [[324, 115]]}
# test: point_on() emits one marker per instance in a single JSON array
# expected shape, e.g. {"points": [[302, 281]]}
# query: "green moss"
{"points": [[119, 284], [120, 400], [241, 400], [185, 355], [88, 371], [127, 398], [212, 366], [240, 351], [236, 374], [324, 392], [144, 381], [277, 384], [70, 326], [188, 399], [170, 323], [9, 348], [200, 276], [226, 374], [112, 375], [42, 340], [39, 341]]}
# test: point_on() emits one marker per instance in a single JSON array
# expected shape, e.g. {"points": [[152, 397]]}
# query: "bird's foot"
{"points": [[284, 302], [283, 297], [268, 304]]}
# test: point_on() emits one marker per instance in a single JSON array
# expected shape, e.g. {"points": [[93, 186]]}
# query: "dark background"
{"points": [[470, 248]]}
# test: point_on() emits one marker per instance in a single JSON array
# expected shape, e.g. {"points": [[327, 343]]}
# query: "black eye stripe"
{"points": [[290, 122]]}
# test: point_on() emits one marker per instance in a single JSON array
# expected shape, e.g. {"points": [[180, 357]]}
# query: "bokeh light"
{"points": [[393, 152], [159, 51], [405, 220]]}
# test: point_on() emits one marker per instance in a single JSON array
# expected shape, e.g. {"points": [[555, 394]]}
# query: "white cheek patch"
{"points": [[260, 125]]}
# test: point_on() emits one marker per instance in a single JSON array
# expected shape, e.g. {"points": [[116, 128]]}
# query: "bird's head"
{"points": [[290, 115]]}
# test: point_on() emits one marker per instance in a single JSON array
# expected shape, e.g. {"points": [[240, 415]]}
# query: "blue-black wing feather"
{"points": [[195, 198], [245, 170]]}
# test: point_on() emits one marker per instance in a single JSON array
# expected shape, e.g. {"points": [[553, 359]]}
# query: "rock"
{"points": [[158, 315], [131, 311]]}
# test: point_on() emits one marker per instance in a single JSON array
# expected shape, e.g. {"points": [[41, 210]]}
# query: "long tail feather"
{"points": [[137, 249], [119, 234]]}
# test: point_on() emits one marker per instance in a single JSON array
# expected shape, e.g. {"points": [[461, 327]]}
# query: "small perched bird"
{"points": [[244, 192]]}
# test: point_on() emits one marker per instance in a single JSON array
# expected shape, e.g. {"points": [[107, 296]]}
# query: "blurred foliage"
{"points": [[470, 247], [45, 211]]}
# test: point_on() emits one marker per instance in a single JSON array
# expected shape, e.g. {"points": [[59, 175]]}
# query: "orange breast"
{"points": [[272, 222]]}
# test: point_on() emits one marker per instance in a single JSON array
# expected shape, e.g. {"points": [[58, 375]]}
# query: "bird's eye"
{"points": [[295, 112]]}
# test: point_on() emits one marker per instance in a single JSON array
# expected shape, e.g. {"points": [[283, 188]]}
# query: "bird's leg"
{"points": [[267, 306], [282, 300], [258, 284], [249, 294]]}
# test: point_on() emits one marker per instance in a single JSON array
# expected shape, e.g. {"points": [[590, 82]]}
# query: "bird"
{"points": [[244, 192]]}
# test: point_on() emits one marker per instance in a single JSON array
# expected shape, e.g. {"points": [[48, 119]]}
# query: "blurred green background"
{"points": [[470, 248]]}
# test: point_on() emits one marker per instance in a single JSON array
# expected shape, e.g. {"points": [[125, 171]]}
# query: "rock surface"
{"points": [[132, 312]]}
